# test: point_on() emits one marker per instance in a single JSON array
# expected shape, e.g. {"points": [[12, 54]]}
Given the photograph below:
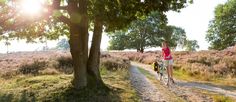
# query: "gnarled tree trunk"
{"points": [[79, 41], [93, 74]]}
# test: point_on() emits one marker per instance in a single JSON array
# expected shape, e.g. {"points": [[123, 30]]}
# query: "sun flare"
{"points": [[32, 7]]}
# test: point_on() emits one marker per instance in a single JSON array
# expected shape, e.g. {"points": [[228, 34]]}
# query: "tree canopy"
{"points": [[222, 29]]}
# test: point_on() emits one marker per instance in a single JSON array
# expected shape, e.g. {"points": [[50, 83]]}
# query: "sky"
{"points": [[194, 19]]}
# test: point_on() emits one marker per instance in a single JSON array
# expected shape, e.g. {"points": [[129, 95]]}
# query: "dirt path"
{"points": [[182, 87], [150, 93], [147, 91]]}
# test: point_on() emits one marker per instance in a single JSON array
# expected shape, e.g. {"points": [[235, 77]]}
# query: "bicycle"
{"points": [[162, 69]]}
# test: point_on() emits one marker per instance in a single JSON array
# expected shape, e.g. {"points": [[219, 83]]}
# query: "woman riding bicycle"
{"points": [[168, 61]]}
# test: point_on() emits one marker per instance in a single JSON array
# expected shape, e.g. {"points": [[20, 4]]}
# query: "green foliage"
{"points": [[63, 44], [119, 40], [114, 15], [222, 29], [141, 33], [191, 45], [119, 14], [147, 31]]}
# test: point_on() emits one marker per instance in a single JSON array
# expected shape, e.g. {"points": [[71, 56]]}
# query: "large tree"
{"points": [[141, 33], [222, 29], [73, 17], [147, 32]]}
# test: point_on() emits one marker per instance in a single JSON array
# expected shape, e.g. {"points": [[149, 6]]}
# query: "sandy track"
{"points": [[147, 91]]}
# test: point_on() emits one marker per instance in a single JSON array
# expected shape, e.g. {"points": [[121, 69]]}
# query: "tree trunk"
{"points": [[79, 57], [79, 41], [138, 50], [142, 50], [93, 74]]}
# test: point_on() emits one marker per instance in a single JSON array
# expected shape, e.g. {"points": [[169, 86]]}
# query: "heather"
{"points": [[207, 64]]}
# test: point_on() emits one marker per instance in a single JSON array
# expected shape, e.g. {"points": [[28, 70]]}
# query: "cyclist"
{"points": [[168, 61]]}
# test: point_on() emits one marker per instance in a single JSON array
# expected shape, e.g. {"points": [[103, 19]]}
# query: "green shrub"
{"points": [[33, 68]]}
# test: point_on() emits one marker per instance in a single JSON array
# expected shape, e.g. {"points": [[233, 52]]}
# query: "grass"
{"points": [[223, 82], [57, 88], [179, 74], [29, 88], [47, 77], [171, 97], [215, 96], [219, 98]]}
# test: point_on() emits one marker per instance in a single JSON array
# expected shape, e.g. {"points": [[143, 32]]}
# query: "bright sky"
{"points": [[194, 19]]}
